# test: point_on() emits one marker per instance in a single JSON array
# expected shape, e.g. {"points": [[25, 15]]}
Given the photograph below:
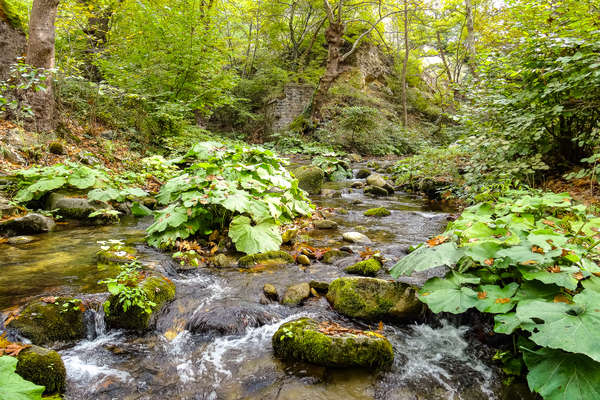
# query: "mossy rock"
{"points": [[70, 206], [277, 256], [47, 323], [159, 290], [302, 340], [368, 267], [43, 367], [373, 299], [378, 212], [56, 148], [310, 178], [123, 255], [296, 294]]}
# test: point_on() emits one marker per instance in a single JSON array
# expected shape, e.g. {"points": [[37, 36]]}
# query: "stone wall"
{"points": [[281, 112]]}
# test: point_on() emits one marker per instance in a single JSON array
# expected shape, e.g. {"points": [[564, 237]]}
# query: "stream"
{"points": [[229, 358]]}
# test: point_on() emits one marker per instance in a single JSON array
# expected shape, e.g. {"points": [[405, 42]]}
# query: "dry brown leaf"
{"points": [[482, 295], [502, 301], [555, 269], [578, 276], [489, 261], [49, 299], [436, 241]]}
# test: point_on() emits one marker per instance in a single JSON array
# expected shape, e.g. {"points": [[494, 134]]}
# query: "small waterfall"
{"points": [[94, 322]]}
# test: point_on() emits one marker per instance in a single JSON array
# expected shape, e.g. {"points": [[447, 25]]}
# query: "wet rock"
{"points": [[270, 292], [7, 208], [332, 255], [226, 319], [314, 293], [223, 261], [378, 212], [376, 180], [49, 322], [278, 257], [355, 158], [296, 294], [373, 299], [29, 224], [342, 211], [325, 224], [289, 236], [18, 240], [43, 367], [357, 185], [56, 148], [368, 267], [331, 193], [158, 290], [356, 237], [363, 173], [310, 178], [320, 287], [303, 340], [71, 207], [303, 260], [376, 191]]}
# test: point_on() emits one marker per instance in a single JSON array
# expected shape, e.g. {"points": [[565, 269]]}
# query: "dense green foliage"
{"points": [[243, 190], [531, 260]]}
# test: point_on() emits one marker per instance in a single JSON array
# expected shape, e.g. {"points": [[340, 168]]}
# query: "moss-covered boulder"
{"points": [[54, 320], [363, 173], [43, 367], [368, 267], [378, 212], [376, 191], [114, 255], [325, 224], [373, 299], [305, 340], [277, 257], [331, 256], [310, 178], [70, 206], [158, 289], [296, 294]]}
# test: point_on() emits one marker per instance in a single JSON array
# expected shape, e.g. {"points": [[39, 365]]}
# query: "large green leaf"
{"points": [[254, 239], [83, 178], [570, 327], [425, 258], [39, 188], [495, 299], [558, 375], [449, 294], [12, 386], [562, 277]]}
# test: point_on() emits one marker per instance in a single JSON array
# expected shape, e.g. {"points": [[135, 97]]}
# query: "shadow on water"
{"points": [[214, 341]]}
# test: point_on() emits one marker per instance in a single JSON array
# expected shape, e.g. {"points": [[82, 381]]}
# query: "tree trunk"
{"points": [[40, 54], [470, 41], [334, 35], [405, 66]]}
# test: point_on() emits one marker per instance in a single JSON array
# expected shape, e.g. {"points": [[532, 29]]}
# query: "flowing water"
{"points": [[214, 340]]}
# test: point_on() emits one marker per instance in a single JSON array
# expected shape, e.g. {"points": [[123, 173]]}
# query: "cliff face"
{"points": [[13, 41]]}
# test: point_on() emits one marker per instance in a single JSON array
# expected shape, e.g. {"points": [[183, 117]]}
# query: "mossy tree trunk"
{"points": [[40, 54]]}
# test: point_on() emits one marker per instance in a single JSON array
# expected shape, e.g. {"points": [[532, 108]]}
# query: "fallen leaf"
{"points": [[482, 295], [49, 299], [537, 249], [561, 299], [529, 262], [578, 276], [489, 261], [549, 223], [555, 269], [502, 301], [436, 241]]}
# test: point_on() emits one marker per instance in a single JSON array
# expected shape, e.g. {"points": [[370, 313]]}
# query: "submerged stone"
{"points": [[306, 340], [373, 299], [277, 256], [310, 178], [158, 289], [120, 255], [378, 212], [223, 261], [225, 319], [43, 367], [57, 320], [332, 255], [376, 191], [18, 240], [296, 294], [368, 267], [325, 224]]}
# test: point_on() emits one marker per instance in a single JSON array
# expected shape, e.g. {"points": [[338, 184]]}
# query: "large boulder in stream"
{"points": [[310, 178], [228, 319], [50, 320], [373, 299], [70, 206], [158, 289], [331, 345], [29, 224], [368, 267], [378, 181], [296, 294], [43, 367]]}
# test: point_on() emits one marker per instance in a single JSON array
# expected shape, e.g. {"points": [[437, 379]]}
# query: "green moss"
{"points": [[123, 255], [45, 323], [253, 259], [330, 256], [56, 148], [368, 267], [373, 299], [159, 290], [302, 340], [378, 212], [42, 367], [15, 13]]}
